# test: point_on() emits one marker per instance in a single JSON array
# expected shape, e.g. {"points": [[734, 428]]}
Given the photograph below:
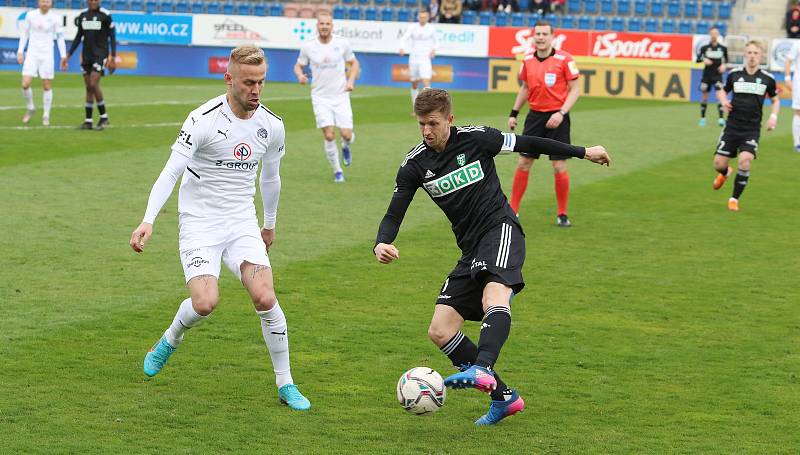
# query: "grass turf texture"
{"points": [[660, 323]]}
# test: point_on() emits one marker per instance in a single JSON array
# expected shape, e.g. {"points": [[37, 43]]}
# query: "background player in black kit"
{"points": [[715, 57], [455, 166], [749, 85], [97, 31]]}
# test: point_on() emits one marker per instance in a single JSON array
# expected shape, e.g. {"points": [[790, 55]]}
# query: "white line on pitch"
{"points": [[72, 127]]}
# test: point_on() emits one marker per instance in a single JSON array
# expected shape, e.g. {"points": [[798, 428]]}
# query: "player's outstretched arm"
{"points": [[386, 253], [534, 144]]}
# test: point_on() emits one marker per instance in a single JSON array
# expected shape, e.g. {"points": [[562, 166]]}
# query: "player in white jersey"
{"points": [[420, 42], [217, 154], [792, 65], [327, 55], [38, 31]]}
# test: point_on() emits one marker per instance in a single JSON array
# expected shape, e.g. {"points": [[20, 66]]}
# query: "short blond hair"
{"points": [[755, 43], [247, 55]]}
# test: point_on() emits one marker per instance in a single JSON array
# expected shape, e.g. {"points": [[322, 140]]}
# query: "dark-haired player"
{"points": [[455, 166], [715, 57]]}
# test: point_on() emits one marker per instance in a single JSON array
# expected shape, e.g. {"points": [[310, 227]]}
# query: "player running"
{"points": [[455, 166], [749, 86], [420, 42], [715, 58], [550, 85], [217, 154], [96, 30], [793, 62], [327, 55], [38, 30]]}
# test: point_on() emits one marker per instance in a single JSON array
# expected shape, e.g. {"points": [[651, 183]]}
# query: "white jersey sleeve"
{"points": [[62, 45], [24, 30], [347, 51], [405, 41], [302, 59], [191, 135], [270, 179], [162, 188]]}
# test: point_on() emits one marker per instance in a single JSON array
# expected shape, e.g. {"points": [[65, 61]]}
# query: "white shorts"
{"points": [[207, 260], [336, 112], [796, 93], [38, 65], [418, 70]]}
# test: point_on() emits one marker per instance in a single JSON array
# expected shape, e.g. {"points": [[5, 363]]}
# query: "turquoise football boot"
{"points": [[157, 356], [291, 396]]}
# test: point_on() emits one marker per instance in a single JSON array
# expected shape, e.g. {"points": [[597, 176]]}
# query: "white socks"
{"points": [[414, 93], [184, 319], [332, 153], [273, 327], [47, 100], [28, 94], [346, 143], [796, 130]]}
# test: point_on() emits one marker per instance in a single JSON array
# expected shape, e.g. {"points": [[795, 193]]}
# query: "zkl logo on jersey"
{"points": [[242, 152], [454, 181]]}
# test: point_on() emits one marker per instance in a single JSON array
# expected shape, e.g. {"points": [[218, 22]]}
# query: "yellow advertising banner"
{"points": [[608, 80]]}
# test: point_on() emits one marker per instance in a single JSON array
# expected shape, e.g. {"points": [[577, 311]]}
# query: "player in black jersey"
{"points": [[455, 166], [715, 57], [749, 85], [96, 30]]}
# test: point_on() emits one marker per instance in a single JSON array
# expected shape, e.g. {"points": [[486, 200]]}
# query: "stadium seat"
{"points": [[212, 8], [371, 13], [651, 25], [532, 18], [674, 9], [724, 11], [396, 3], [60, 4], [259, 9], [227, 8], [403, 15], [379, 3], [640, 7], [607, 6], [364, 2], [554, 19], [668, 25], [348, 2], [617, 24], [723, 27], [601, 23], [568, 22], [657, 8], [166, 6], [469, 17], [573, 6], [150, 6], [623, 7], [690, 9], [485, 18], [501, 19], [685, 27], [703, 26], [197, 7], [585, 23], [136, 5], [339, 12], [78, 4], [413, 4], [524, 5], [517, 20], [276, 9], [590, 6], [32, 4], [116, 5], [182, 6], [707, 10], [635, 24], [387, 14], [354, 13]]}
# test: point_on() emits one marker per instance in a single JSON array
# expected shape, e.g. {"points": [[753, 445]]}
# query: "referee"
{"points": [[550, 84]]}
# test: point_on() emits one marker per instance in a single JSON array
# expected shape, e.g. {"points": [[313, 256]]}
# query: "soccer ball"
{"points": [[421, 390]]}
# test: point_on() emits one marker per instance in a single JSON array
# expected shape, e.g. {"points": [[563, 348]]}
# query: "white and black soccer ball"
{"points": [[421, 390]]}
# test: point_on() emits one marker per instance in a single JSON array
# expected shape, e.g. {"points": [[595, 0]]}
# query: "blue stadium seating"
{"points": [[136, 5], [651, 25], [276, 10], [469, 17], [590, 6], [533, 18], [396, 3], [685, 26], [554, 19], [607, 6], [524, 5], [485, 18], [674, 9], [724, 11], [501, 19], [76, 4], [707, 10], [364, 2], [617, 24], [623, 7], [371, 13], [703, 26], [116, 5], [338, 12], [348, 2], [259, 9], [243, 9], [568, 22], [60, 4], [657, 8], [601, 23], [403, 15], [150, 6], [212, 7], [412, 4], [668, 26], [379, 3], [690, 9], [640, 7], [387, 14], [182, 6], [635, 24], [585, 23], [723, 27], [166, 6], [354, 13], [573, 6], [517, 20], [197, 7], [227, 8]]}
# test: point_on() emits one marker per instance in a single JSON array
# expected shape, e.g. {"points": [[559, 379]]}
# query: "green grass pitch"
{"points": [[660, 323]]}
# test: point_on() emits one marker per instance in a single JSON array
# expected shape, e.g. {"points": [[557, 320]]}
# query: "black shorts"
{"points": [[94, 64], [535, 126], [732, 142], [711, 83], [497, 258]]}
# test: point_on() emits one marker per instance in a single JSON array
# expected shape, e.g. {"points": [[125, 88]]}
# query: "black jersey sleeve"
{"points": [[112, 35], [78, 36], [701, 53], [406, 185], [729, 82], [489, 140], [772, 88], [725, 54], [535, 144]]}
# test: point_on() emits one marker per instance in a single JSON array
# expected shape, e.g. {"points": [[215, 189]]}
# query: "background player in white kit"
{"points": [[330, 89], [420, 42], [217, 154], [792, 64], [38, 30]]}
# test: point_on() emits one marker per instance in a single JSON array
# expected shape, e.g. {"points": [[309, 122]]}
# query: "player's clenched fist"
{"points": [[598, 154], [140, 236], [386, 253]]}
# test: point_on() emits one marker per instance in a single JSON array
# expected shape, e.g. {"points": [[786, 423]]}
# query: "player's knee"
{"points": [[524, 164], [265, 301], [328, 135], [438, 335], [204, 304], [559, 166]]}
